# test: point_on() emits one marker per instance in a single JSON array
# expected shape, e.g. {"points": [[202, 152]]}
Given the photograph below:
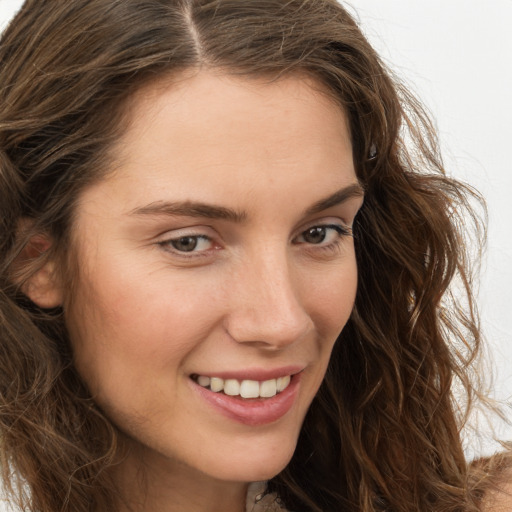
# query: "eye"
{"points": [[323, 235], [188, 243]]}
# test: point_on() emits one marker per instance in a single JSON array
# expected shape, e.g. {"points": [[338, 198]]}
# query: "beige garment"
{"points": [[258, 502]]}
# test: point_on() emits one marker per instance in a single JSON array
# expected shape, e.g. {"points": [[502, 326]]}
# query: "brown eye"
{"points": [[323, 235], [315, 235], [185, 243], [188, 244]]}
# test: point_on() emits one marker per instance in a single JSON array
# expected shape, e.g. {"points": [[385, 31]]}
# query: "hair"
{"points": [[383, 432]]}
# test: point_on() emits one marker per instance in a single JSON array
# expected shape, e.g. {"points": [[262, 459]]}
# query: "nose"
{"points": [[266, 308]]}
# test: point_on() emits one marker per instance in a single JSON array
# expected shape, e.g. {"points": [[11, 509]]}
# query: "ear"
{"points": [[42, 287]]}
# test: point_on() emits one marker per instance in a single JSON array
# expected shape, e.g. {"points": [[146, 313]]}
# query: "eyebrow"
{"points": [[342, 195], [190, 209], [210, 211]]}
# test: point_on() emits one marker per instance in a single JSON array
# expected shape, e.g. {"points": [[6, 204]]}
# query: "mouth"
{"points": [[244, 388], [247, 400]]}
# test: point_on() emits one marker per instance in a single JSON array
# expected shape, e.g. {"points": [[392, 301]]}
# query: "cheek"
{"points": [[332, 297], [129, 323], [330, 302]]}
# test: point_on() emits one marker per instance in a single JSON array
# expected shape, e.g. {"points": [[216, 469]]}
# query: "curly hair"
{"points": [[382, 433]]}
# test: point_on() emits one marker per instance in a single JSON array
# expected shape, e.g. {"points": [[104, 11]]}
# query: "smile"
{"points": [[250, 401], [244, 388]]}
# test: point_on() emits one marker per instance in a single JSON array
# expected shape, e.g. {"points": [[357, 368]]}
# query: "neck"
{"points": [[158, 484]]}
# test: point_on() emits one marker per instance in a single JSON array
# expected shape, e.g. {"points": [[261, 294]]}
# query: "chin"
{"points": [[256, 464]]}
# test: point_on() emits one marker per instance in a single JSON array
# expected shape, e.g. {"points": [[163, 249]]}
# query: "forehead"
{"points": [[210, 133], [205, 93], [183, 112]]}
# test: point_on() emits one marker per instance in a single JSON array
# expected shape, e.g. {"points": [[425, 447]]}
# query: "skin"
{"points": [[498, 493], [257, 292]]}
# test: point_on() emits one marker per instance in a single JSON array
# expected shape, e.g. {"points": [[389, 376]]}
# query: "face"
{"points": [[217, 269]]}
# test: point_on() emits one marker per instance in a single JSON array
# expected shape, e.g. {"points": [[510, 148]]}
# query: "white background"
{"points": [[456, 54]]}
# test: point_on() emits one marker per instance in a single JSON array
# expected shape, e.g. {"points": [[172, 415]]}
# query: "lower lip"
{"points": [[252, 411]]}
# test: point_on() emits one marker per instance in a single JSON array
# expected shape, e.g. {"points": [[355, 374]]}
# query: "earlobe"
{"points": [[42, 286], [43, 289]]}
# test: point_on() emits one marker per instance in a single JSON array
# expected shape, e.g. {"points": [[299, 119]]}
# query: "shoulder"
{"points": [[498, 498], [493, 477]]}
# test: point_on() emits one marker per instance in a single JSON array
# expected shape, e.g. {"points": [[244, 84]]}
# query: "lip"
{"points": [[252, 411], [258, 374]]}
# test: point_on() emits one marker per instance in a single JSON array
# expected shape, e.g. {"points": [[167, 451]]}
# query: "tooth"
{"points": [[268, 388], [216, 384], [250, 389], [203, 381], [231, 387], [282, 383], [245, 388]]}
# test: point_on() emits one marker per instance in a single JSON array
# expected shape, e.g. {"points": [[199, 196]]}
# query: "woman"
{"points": [[194, 295]]}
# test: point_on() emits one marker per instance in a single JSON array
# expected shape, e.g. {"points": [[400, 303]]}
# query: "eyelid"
{"points": [[341, 232], [200, 232], [203, 230], [166, 239], [325, 222]]}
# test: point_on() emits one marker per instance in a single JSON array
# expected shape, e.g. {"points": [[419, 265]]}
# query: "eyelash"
{"points": [[168, 245], [341, 231]]}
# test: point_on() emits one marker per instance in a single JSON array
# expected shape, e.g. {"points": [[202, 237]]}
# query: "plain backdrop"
{"points": [[456, 55]]}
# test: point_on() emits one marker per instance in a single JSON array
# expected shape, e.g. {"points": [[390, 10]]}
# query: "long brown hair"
{"points": [[383, 431]]}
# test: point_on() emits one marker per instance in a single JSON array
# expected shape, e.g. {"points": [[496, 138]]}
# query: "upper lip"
{"points": [[259, 374]]}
